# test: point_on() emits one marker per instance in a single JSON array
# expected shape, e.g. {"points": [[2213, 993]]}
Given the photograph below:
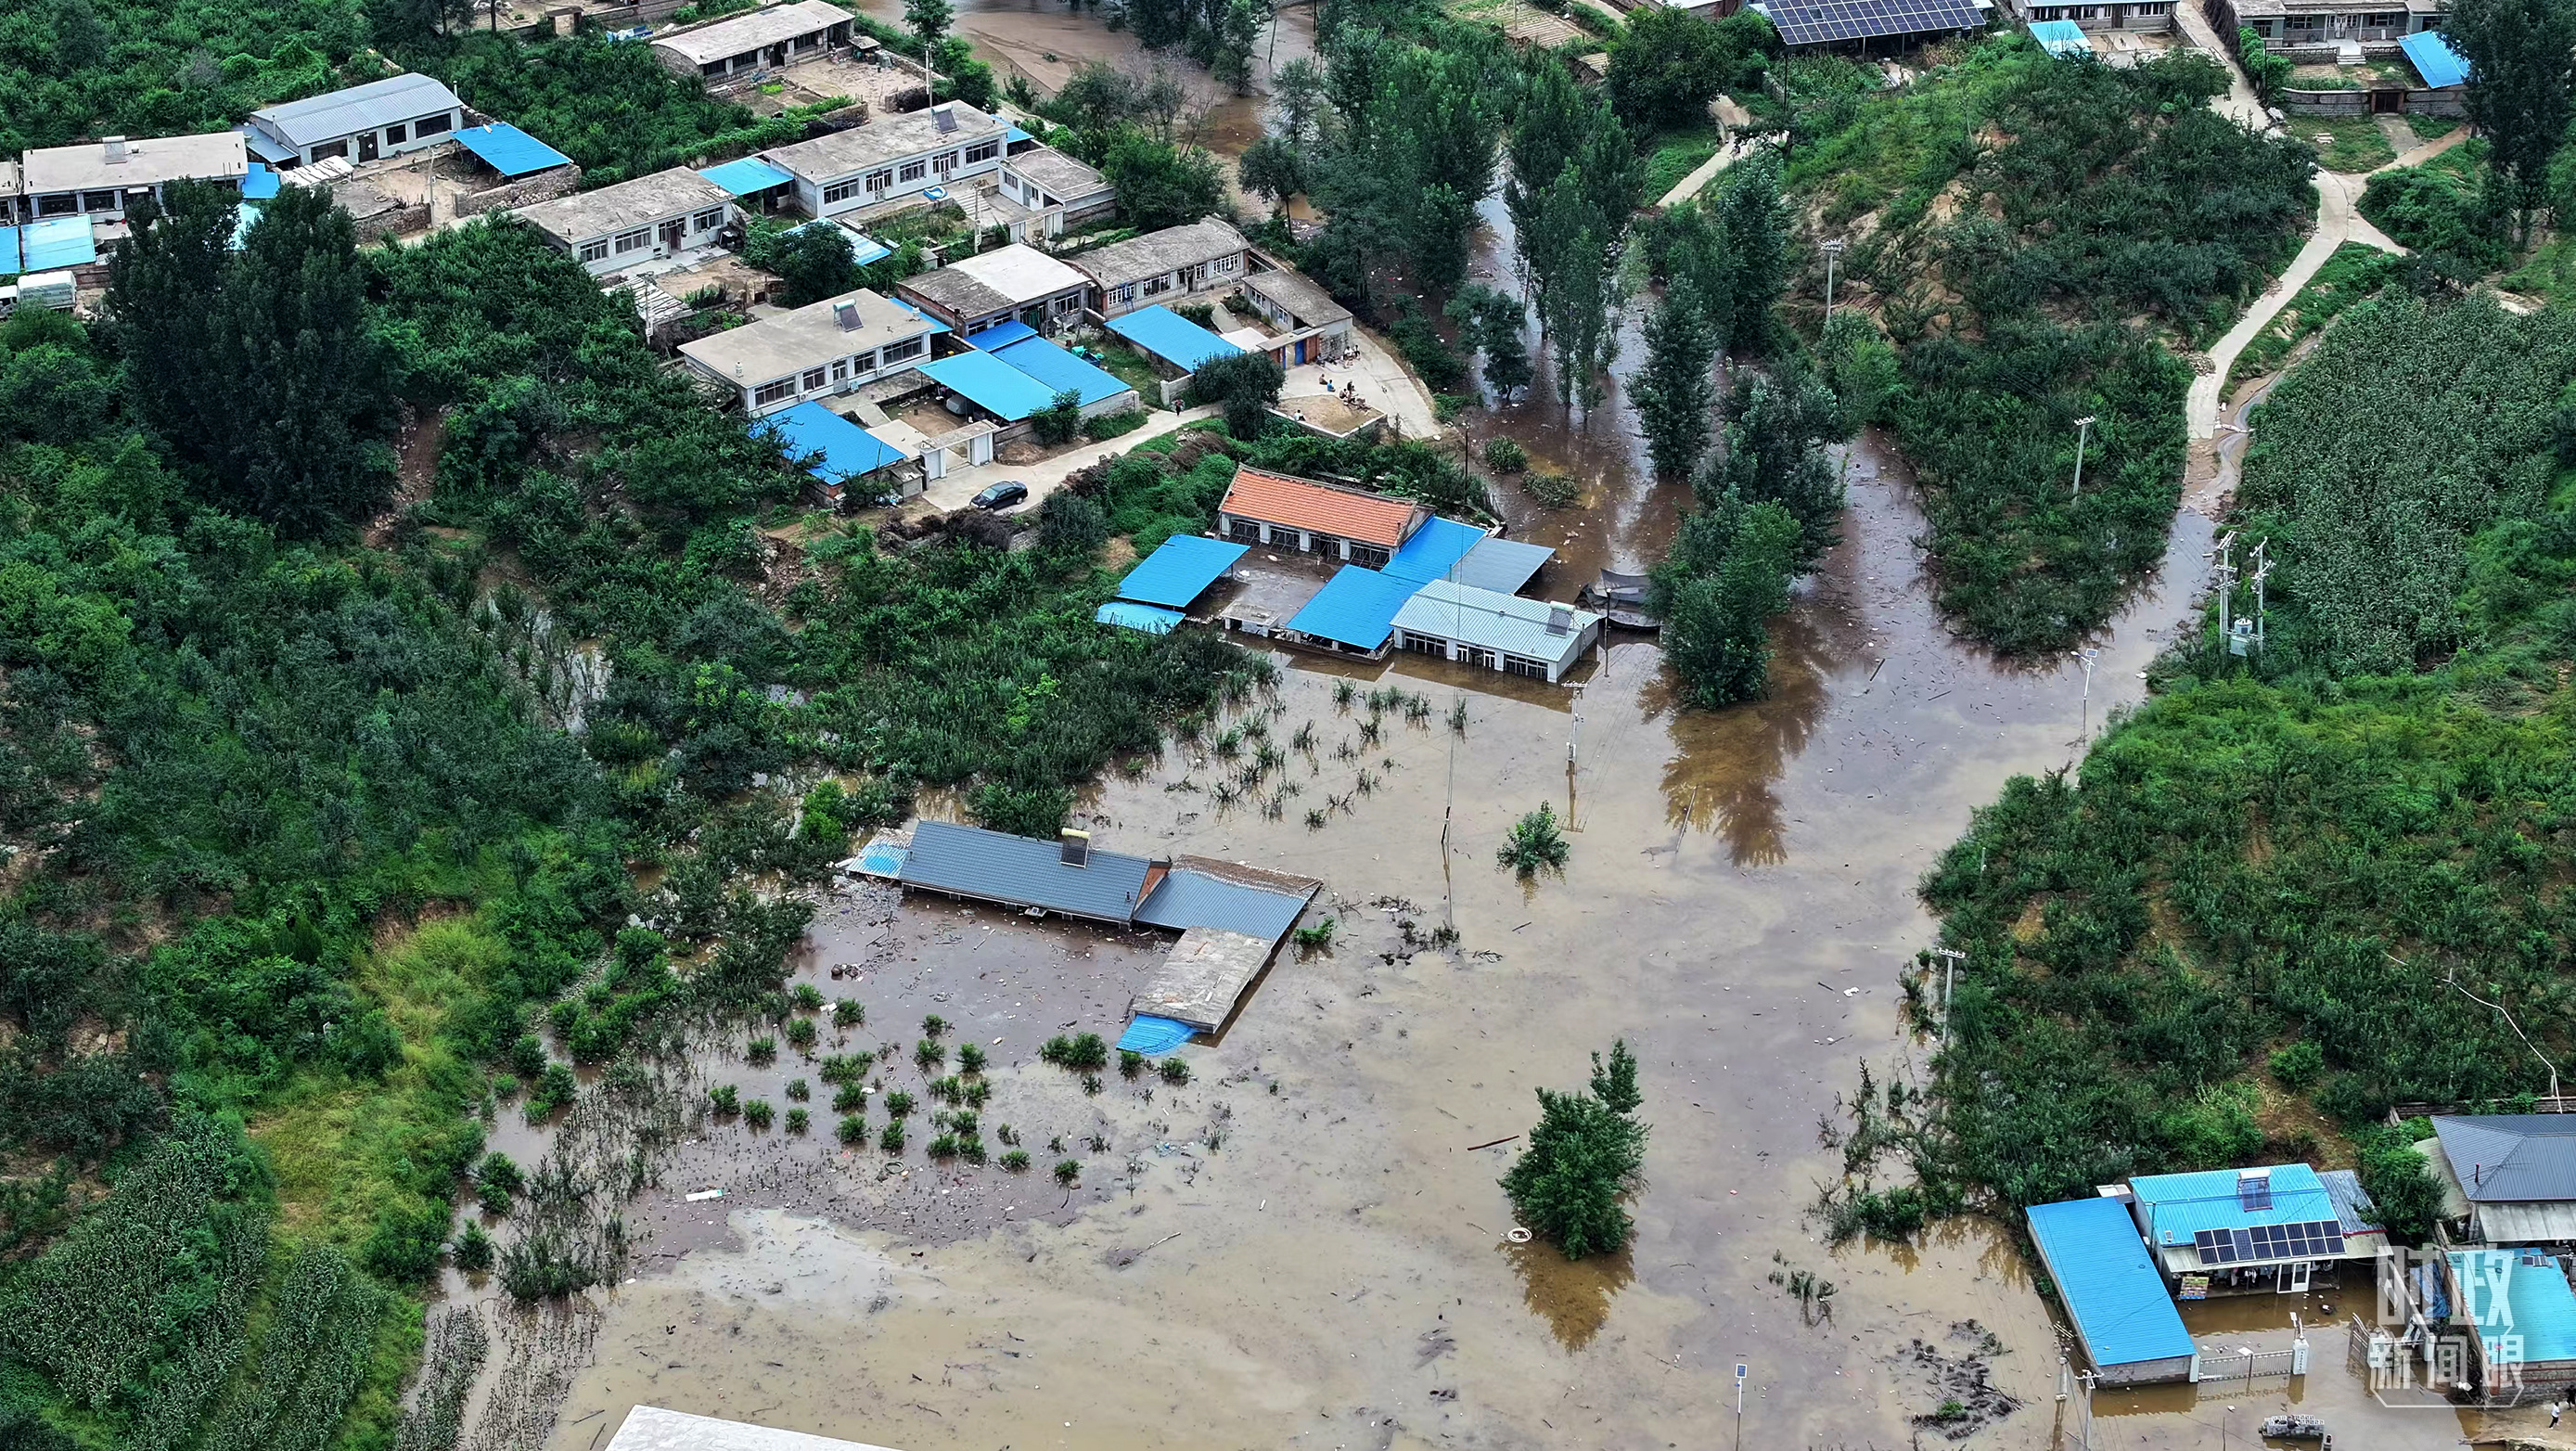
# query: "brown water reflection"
{"points": [[1572, 1296]]}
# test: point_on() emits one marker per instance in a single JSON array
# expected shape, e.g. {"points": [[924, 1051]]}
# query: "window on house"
{"points": [[983, 152], [1156, 286], [98, 201], [1368, 556], [839, 191], [2389, 20], [1070, 302], [908, 348], [944, 163], [714, 68], [708, 221], [433, 125], [813, 379], [1228, 263], [1425, 644], [1523, 665], [840, 370], [397, 133], [1046, 201], [1244, 531], [636, 240], [911, 170], [880, 179], [60, 204], [595, 251], [330, 149], [1126, 292], [768, 393]]}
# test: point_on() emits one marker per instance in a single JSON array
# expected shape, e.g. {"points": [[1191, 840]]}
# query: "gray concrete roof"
{"points": [[885, 139], [773, 347], [739, 33], [1156, 253], [1022, 871], [149, 161], [2513, 1156], [1199, 981], [1011, 276], [651, 1428], [1304, 298], [1069, 179], [334, 114], [637, 203]]}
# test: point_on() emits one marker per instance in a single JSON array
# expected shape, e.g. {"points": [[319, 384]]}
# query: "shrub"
{"points": [[1535, 843], [724, 1098], [1067, 1171], [1583, 1158], [929, 1054], [898, 1103], [1316, 937], [1551, 490], [807, 997], [934, 1025], [499, 1171], [2298, 1066], [556, 1088], [1060, 421], [1016, 1161], [1504, 456], [944, 1147], [757, 1113], [761, 1050], [1174, 1071], [1112, 425], [854, 1130], [970, 1058], [473, 1249], [798, 1090], [891, 1141], [796, 1120], [847, 1013], [1087, 1053], [1130, 1062], [801, 1033]]}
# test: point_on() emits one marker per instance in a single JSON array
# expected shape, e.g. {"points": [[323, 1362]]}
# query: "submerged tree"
{"points": [[1584, 1157], [1534, 843], [1676, 393], [1728, 575]]}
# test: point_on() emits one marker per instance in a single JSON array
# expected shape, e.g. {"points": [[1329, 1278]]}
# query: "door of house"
{"points": [[367, 147], [2294, 1278], [2387, 103], [672, 231]]}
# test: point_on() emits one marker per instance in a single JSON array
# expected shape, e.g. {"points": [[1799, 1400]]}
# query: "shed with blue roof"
{"points": [[1058, 371], [1354, 612], [510, 151], [841, 451], [2248, 1229], [2518, 1306], [1180, 571], [2063, 39], [2437, 60], [1172, 339], [2113, 1296], [1435, 550], [990, 384]]}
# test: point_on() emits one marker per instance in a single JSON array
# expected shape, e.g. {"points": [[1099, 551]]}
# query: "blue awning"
{"points": [[990, 384], [747, 176], [2436, 59], [1171, 337], [1055, 369], [259, 183], [55, 243], [1356, 607], [1016, 135], [1154, 1036], [2060, 38], [847, 449], [1152, 619], [508, 150], [1434, 550], [1181, 570]]}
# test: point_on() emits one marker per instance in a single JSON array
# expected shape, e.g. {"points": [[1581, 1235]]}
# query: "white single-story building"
{"points": [[381, 118], [892, 158], [774, 35], [1495, 631], [618, 226], [1057, 190], [98, 178], [1306, 325], [821, 349], [1164, 266], [1008, 284]]}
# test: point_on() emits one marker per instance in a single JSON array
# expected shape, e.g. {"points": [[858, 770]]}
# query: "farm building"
{"points": [[1171, 340], [2221, 1231], [1164, 266], [820, 349], [1494, 631], [1353, 614], [2114, 1298], [381, 118], [1012, 373], [97, 179], [2149, 16], [893, 162], [2515, 1174], [633, 222], [1008, 284], [651, 1428], [1157, 594], [1292, 513], [2322, 29], [775, 35]]}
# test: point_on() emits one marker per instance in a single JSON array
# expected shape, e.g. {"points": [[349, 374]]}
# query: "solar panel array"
{"points": [[1816, 22], [2308, 1240]]}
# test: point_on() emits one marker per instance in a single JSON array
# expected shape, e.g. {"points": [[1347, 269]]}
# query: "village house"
{"points": [[2511, 1176], [1305, 324], [2321, 29], [1055, 190], [1285, 512], [98, 179], [1495, 631], [1009, 284], [2149, 16], [381, 118], [1171, 265], [825, 348], [644, 220], [894, 159], [2222, 1231], [2124, 1321], [757, 40]]}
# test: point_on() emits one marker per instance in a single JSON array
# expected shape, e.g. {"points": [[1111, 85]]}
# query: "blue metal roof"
{"points": [[1433, 551], [1171, 337], [865, 249], [1355, 607], [990, 384], [2436, 59], [847, 449], [1053, 367], [1152, 619], [1016, 134], [54, 243], [1021, 871], [744, 177], [1502, 565], [508, 150], [1154, 1036], [2181, 1205], [1180, 571], [2060, 38], [2520, 1303], [2107, 1282], [1188, 899], [1002, 333], [245, 217], [259, 183]]}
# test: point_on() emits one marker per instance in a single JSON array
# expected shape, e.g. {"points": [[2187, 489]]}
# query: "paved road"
{"points": [[1733, 149]]}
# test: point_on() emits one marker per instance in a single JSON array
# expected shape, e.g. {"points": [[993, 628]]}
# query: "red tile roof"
{"points": [[1322, 508]]}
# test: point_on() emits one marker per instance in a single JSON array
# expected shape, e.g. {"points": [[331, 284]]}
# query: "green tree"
{"points": [[1490, 322], [1060, 421], [2266, 72], [162, 284], [1754, 222], [2522, 87], [1615, 1082], [1273, 167], [813, 261], [1584, 1156], [1665, 68], [1237, 36], [1675, 394], [1775, 434], [928, 20], [1729, 575], [1245, 386], [1859, 368], [1160, 184]]}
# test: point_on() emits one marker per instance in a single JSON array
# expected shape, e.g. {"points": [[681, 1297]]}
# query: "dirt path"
{"points": [[1736, 146]]}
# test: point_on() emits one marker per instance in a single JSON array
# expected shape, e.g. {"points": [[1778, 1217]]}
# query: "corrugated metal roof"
{"points": [[1152, 619], [1021, 871], [1323, 508], [508, 150], [2511, 1155], [1434, 550], [1355, 607], [2436, 59], [2351, 1201], [2060, 38], [259, 184], [746, 176], [1502, 565], [1171, 337], [1180, 571], [990, 384], [53, 243], [1187, 899], [1055, 369], [2110, 1288], [2181, 1205], [847, 449], [1482, 617], [2528, 1222], [740, 34], [2520, 1303], [334, 114]]}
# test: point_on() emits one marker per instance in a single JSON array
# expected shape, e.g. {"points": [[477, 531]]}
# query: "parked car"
{"points": [[1002, 495]]}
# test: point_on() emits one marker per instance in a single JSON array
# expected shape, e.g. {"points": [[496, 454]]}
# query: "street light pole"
{"points": [[1833, 250], [2083, 430]]}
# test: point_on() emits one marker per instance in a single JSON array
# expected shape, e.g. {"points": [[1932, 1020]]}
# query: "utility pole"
{"points": [[1951, 958], [2224, 576], [1832, 247], [2262, 571], [2088, 656], [2083, 430]]}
